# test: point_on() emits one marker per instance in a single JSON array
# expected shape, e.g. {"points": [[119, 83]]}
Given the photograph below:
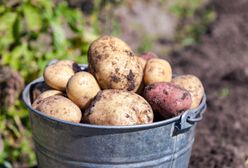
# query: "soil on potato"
{"points": [[221, 62]]}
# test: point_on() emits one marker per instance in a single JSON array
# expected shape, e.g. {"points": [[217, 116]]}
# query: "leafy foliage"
{"points": [[32, 33], [194, 21]]}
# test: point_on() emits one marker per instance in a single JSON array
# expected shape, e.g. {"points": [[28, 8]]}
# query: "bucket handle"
{"points": [[188, 119], [199, 118]]}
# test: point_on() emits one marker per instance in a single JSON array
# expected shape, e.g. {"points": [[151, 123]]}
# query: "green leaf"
{"points": [[15, 56], [59, 37], [33, 17], [6, 28], [17, 29], [2, 8]]}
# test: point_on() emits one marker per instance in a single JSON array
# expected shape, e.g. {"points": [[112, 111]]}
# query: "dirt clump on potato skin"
{"points": [[114, 64], [131, 81]]}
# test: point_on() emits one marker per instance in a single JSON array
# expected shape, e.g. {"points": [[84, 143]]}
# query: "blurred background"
{"points": [[207, 38]]}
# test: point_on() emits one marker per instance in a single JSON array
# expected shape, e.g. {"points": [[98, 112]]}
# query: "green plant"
{"points": [[224, 92], [146, 45], [34, 32], [195, 19]]}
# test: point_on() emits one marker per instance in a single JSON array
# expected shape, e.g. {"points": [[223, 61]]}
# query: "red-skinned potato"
{"points": [[148, 55], [168, 99]]}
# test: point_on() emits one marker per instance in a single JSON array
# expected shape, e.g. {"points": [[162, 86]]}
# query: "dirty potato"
{"points": [[117, 107], [57, 75], [193, 85], [82, 88], [157, 70], [44, 95], [114, 65], [61, 108], [142, 62], [38, 89], [168, 99]]}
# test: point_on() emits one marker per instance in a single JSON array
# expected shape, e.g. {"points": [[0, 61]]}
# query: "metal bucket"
{"points": [[163, 144]]}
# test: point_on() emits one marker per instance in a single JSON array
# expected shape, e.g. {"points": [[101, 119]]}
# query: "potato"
{"points": [[168, 99], [57, 75], [142, 62], [37, 89], [149, 55], [82, 88], [61, 108], [44, 95], [118, 107], [193, 85], [157, 70], [114, 65]]}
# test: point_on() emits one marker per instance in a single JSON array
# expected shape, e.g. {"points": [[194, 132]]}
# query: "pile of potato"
{"points": [[118, 88]]}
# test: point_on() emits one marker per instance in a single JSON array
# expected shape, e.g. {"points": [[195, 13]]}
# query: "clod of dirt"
{"points": [[220, 61], [11, 84]]}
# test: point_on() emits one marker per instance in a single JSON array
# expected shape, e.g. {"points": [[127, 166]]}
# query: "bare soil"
{"points": [[221, 62]]}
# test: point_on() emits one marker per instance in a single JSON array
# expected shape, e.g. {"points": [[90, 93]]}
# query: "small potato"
{"points": [[37, 89], [142, 85], [142, 62], [117, 107], [61, 108], [57, 75], [114, 65], [168, 99], [44, 95], [149, 55], [82, 88], [157, 70], [193, 85]]}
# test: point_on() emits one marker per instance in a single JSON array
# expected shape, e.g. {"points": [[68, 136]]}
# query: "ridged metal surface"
{"points": [[61, 144]]}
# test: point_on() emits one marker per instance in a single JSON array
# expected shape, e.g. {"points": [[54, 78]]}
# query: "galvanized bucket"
{"points": [[163, 144]]}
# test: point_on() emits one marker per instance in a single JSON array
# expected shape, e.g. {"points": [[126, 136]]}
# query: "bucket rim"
{"points": [[26, 100]]}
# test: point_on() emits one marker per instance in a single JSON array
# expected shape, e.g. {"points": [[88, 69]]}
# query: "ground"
{"points": [[221, 62]]}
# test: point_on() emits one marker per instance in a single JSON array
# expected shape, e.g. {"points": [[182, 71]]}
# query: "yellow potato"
{"points": [[82, 88], [193, 85], [114, 65], [61, 108], [44, 95], [37, 89], [117, 107], [157, 70], [57, 75], [142, 61]]}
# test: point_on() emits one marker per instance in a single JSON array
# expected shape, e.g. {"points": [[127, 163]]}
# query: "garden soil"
{"points": [[221, 62]]}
